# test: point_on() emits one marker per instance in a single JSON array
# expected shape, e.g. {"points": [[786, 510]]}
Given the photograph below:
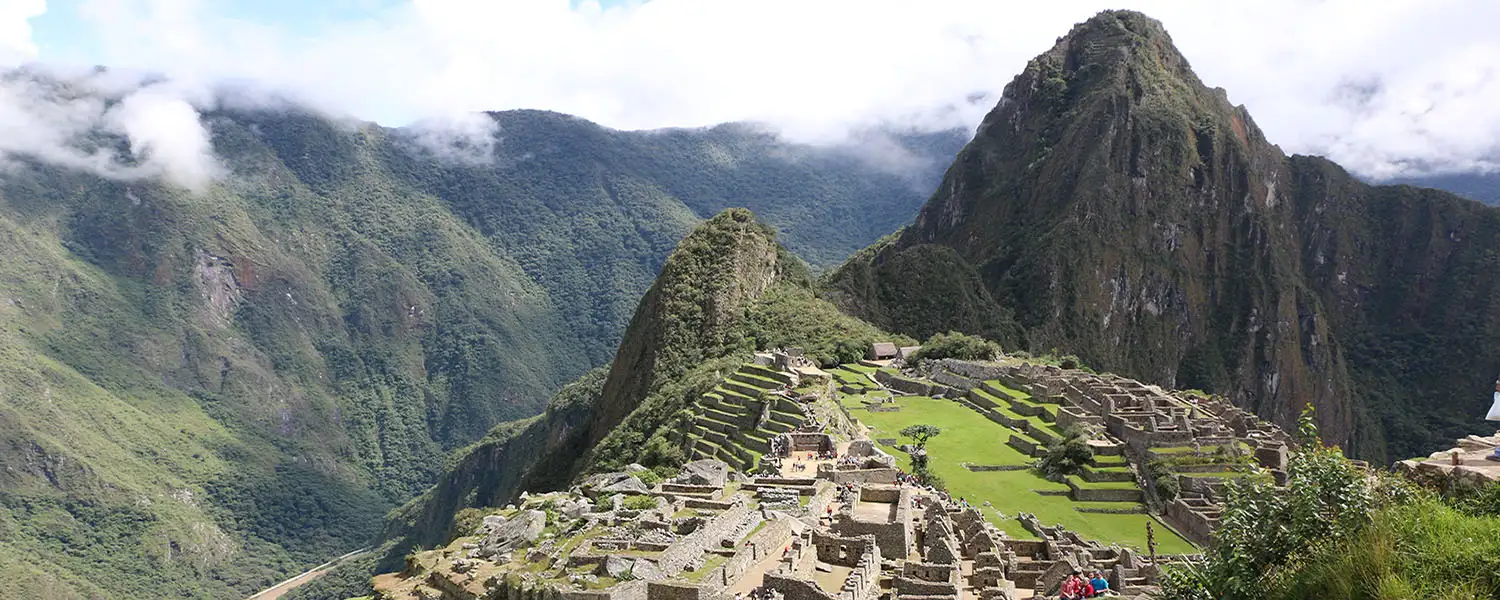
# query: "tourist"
{"points": [[1075, 587], [1099, 583]]}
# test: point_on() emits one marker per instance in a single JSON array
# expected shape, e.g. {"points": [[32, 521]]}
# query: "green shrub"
{"points": [[640, 502], [957, 345], [1066, 456]]}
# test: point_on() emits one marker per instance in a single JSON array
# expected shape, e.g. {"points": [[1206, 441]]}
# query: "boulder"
{"points": [[706, 472], [634, 468], [575, 508], [628, 485], [615, 566], [861, 448], [646, 570], [518, 531], [489, 524]]}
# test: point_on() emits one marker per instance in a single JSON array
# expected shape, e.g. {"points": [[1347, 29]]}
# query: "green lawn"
{"points": [[969, 437]]}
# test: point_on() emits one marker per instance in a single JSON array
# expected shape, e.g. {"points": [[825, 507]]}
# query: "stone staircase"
{"points": [[736, 421]]}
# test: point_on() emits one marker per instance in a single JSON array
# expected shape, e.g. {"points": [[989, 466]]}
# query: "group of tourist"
{"points": [[1078, 587]]}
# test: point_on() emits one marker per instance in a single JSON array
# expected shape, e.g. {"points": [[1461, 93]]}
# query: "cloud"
{"points": [[15, 29], [73, 119], [167, 135], [463, 138], [1383, 86]]}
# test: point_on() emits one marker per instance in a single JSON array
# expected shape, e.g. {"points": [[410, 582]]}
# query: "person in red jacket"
{"points": [[1076, 587]]}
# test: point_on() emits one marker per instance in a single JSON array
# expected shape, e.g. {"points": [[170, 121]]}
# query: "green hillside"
{"points": [[204, 393]]}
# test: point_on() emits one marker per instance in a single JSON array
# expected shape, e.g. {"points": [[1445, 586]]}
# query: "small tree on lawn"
{"points": [[921, 434], [1067, 455]]}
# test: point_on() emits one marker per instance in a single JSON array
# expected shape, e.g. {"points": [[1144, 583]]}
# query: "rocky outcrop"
{"points": [[1129, 214]]}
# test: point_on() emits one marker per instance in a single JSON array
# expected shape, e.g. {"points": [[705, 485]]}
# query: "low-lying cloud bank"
{"points": [[1386, 87]]}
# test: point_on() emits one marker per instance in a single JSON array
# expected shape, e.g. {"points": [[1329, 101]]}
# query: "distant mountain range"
{"points": [[1484, 187]]}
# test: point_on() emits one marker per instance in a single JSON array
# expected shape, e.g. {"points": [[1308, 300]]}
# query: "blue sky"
{"points": [[63, 35]]}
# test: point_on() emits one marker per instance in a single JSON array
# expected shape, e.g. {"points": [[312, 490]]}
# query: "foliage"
{"points": [[641, 502], [1067, 455], [957, 345], [1327, 502], [791, 316], [675, 351], [1163, 480], [921, 433]]}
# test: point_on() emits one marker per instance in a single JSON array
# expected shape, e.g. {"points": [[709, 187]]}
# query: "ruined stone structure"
{"points": [[848, 529], [1203, 440], [1473, 463]]}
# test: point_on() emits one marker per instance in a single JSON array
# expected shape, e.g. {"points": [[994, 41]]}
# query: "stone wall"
{"points": [[661, 590], [771, 540], [880, 476], [903, 385], [794, 588], [690, 547], [894, 536], [1193, 525]]}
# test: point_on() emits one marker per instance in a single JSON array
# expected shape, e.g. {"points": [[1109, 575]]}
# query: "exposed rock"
{"points": [[705, 472], [628, 485], [522, 529], [615, 566]]}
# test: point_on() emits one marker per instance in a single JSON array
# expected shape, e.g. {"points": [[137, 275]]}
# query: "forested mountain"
{"points": [[1113, 206], [202, 392], [1484, 187]]}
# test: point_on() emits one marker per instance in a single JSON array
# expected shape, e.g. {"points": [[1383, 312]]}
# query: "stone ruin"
{"points": [[1473, 463], [849, 530], [1138, 421]]}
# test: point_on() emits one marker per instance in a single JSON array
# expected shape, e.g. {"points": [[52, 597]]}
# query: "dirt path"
{"points": [[280, 589]]}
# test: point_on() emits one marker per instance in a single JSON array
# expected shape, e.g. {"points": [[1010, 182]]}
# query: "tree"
{"points": [[921, 434], [957, 345], [1067, 455]]}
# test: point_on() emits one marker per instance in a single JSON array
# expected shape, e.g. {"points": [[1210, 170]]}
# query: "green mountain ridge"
{"points": [[202, 394], [728, 289], [1123, 211]]}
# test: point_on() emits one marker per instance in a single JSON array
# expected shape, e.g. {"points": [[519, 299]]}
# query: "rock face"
{"points": [[506, 535], [705, 472], [1121, 210]]}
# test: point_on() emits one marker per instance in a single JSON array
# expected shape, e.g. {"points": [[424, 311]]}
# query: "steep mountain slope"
{"points": [[202, 393], [729, 288], [1124, 211]]}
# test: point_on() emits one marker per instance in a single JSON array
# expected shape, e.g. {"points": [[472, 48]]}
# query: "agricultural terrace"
{"points": [[970, 438]]}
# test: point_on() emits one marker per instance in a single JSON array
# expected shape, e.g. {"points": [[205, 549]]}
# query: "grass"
{"points": [[968, 437], [710, 562]]}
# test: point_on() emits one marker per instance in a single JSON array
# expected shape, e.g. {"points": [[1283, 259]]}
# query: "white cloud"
{"points": [[15, 29], [66, 119], [1379, 85], [167, 136]]}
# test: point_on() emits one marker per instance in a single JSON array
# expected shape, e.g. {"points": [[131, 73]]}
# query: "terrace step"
{"points": [[751, 379], [742, 389]]}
